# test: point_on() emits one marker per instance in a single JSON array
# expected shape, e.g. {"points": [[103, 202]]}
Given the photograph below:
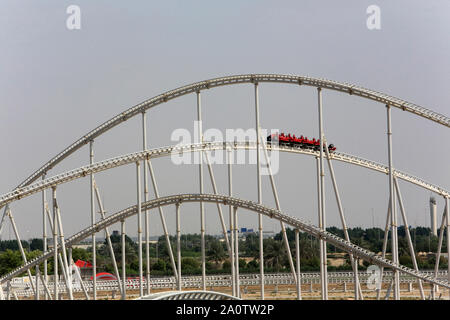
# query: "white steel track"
{"points": [[351, 89], [84, 171], [295, 222]]}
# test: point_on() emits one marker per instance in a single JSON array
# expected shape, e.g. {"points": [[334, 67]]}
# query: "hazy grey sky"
{"points": [[57, 84]]}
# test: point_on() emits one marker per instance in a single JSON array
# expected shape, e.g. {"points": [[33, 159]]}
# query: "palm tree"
{"points": [[274, 254], [216, 252]]}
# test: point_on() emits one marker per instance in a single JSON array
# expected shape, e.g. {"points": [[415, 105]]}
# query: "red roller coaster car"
{"points": [[301, 142]]}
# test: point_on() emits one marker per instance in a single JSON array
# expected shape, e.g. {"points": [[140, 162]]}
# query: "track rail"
{"points": [[346, 246], [232, 80], [81, 172]]}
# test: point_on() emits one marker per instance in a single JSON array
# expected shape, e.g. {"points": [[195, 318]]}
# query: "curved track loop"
{"points": [[231, 80], [81, 172], [348, 247]]}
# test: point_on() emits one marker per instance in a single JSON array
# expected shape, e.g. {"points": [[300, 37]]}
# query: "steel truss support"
{"points": [[163, 219], [47, 291], [230, 193], [355, 272], [394, 235], [388, 292], [124, 269], [277, 203], [408, 235], [66, 273], [177, 206], [55, 246], [19, 243], [200, 176], [383, 252], [258, 181], [340, 207], [2, 295], [2, 222], [439, 250], [52, 226], [108, 237], [322, 222], [37, 276], [93, 220], [44, 236], [146, 212], [244, 204], [236, 259], [139, 226], [447, 214], [78, 275], [8, 290], [297, 259]]}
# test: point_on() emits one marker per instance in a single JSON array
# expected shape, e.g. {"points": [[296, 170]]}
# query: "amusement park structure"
{"points": [[41, 182]]}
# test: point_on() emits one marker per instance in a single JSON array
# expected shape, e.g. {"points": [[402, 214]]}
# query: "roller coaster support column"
{"points": [[70, 261], [37, 274], [200, 176], [219, 208], [322, 224], [44, 234], [163, 219], [297, 258], [439, 250], [230, 193], [2, 295], [55, 246], [258, 177], [408, 235], [393, 211], [355, 271], [94, 245], [339, 203], [383, 251], [178, 245], [108, 237], [47, 291], [139, 218], [236, 260], [124, 271], [64, 264], [19, 243], [277, 203], [447, 214], [146, 213]]}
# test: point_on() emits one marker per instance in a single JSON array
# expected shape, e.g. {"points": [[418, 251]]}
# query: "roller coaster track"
{"points": [[232, 80], [330, 238], [32, 185], [81, 172], [190, 282]]}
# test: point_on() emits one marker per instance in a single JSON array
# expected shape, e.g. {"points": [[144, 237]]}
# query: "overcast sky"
{"points": [[58, 84]]}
